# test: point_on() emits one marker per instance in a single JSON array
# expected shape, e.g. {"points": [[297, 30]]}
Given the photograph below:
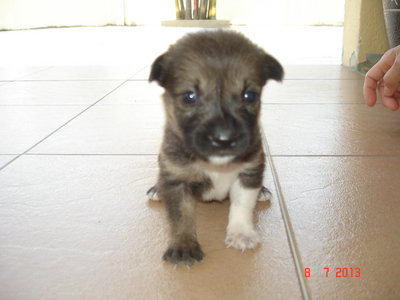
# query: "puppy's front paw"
{"points": [[184, 253], [152, 194], [242, 239], [265, 195]]}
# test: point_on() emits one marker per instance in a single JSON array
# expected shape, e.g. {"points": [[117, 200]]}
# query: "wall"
{"points": [[364, 36], [17, 14], [282, 12], [21, 14], [149, 12]]}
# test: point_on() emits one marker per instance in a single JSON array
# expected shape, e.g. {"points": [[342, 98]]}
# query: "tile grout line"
{"points": [[311, 103], [71, 80], [63, 125], [324, 79], [32, 73], [73, 118], [91, 154], [137, 79], [272, 155], [288, 225], [23, 76], [336, 155]]}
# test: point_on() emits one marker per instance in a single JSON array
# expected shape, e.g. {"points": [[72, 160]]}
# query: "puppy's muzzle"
{"points": [[223, 139]]}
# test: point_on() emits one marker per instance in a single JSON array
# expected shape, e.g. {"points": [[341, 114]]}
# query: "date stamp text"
{"points": [[335, 272]]}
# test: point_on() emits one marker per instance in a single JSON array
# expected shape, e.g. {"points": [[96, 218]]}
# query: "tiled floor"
{"points": [[78, 152]]}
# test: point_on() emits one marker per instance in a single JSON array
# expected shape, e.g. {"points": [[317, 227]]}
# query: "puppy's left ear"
{"points": [[272, 69], [159, 70]]}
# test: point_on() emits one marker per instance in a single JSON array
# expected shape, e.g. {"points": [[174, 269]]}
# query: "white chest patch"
{"points": [[222, 179]]}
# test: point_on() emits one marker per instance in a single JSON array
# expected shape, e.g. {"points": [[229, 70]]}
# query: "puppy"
{"points": [[212, 147]]}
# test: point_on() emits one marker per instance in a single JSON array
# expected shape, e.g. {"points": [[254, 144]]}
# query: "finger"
{"points": [[392, 79], [372, 79], [375, 74], [390, 102], [380, 90], [369, 90], [397, 97]]}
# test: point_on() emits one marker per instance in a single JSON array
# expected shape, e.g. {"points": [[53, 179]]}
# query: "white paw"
{"points": [[152, 194], [242, 240], [265, 195]]}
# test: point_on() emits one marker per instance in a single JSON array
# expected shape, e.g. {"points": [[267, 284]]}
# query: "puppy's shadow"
{"points": [[264, 201]]}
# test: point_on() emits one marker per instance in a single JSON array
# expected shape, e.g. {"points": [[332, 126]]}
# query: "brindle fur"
{"points": [[219, 66]]}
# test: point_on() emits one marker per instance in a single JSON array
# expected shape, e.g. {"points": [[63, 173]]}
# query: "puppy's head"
{"points": [[213, 83]]}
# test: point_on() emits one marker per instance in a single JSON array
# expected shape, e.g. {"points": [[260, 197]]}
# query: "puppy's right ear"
{"points": [[272, 68], [159, 70]]}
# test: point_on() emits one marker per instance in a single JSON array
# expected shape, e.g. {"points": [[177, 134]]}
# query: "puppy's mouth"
{"points": [[220, 148], [219, 140], [221, 160]]}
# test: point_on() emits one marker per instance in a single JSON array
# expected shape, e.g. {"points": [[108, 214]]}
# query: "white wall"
{"points": [[19, 14], [282, 12], [16, 14], [149, 12]]}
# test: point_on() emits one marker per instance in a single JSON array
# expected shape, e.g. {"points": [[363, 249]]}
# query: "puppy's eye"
{"points": [[249, 97], [189, 97]]}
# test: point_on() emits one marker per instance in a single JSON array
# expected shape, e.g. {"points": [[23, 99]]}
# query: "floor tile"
{"points": [[85, 73], [122, 45], [334, 129], [144, 74], [319, 72], [295, 72], [14, 73], [5, 159], [21, 126], [117, 129], [291, 44], [133, 92], [314, 91], [87, 46], [55, 92], [80, 227], [345, 213]]}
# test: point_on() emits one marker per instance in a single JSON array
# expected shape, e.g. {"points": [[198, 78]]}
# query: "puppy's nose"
{"points": [[223, 139]]}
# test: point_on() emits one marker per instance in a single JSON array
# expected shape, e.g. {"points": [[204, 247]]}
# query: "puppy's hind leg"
{"points": [[183, 246]]}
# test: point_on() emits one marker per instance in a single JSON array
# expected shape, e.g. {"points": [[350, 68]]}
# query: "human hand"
{"points": [[384, 76]]}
